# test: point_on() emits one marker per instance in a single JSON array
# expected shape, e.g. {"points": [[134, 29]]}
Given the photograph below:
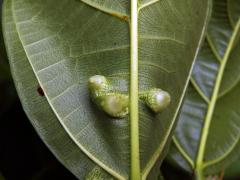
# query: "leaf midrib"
{"points": [[134, 119]]}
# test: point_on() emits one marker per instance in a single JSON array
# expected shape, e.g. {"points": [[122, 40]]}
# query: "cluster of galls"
{"points": [[117, 104]]}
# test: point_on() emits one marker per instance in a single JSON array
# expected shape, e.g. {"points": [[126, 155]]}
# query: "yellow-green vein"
{"points": [[183, 152], [222, 157], [134, 124], [204, 97]]}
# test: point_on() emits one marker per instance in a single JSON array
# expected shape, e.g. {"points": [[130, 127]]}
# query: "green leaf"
{"points": [[207, 135], [38, 109], [233, 170], [61, 44]]}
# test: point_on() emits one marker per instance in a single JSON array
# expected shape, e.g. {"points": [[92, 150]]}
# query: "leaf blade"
{"points": [[46, 39], [37, 108], [217, 84]]}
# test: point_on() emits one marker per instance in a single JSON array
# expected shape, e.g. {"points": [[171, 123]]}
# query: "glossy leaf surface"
{"points": [[207, 135], [61, 44]]}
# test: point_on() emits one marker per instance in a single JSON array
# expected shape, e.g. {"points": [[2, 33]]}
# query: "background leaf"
{"points": [[233, 170], [64, 50], [209, 121]]}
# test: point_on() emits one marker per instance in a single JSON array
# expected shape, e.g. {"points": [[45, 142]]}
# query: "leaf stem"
{"points": [[205, 130], [134, 127], [199, 174]]}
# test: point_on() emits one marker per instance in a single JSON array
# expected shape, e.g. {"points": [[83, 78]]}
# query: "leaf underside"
{"points": [[58, 45], [38, 109], [220, 50]]}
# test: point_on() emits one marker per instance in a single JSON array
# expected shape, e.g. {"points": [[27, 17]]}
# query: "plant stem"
{"points": [[211, 107], [199, 174], [135, 159]]}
